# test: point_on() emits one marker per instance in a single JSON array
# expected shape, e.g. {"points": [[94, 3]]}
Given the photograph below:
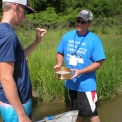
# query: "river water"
{"points": [[109, 110]]}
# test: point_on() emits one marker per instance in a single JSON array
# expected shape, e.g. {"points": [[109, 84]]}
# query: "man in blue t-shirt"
{"points": [[82, 51], [15, 84]]}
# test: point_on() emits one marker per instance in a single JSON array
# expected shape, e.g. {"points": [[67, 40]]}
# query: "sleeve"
{"points": [[7, 48], [60, 47], [98, 50]]}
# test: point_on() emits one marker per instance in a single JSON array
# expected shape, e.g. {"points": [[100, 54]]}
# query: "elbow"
{"points": [[99, 64], [100, 67]]}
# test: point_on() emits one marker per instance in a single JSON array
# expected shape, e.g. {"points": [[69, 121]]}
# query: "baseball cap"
{"points": [[86, 15], [22, 2]]}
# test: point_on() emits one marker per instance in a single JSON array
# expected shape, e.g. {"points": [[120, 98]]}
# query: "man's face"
{"points": [[21, 11], [82, 26]]}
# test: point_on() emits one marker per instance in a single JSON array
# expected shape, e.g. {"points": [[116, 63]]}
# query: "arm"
{"points": [[59, 60], [10, 90], [39, 35], [90, 68]]}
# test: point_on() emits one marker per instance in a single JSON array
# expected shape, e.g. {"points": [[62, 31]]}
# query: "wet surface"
{"points": [[109, 110], [39, 112]]}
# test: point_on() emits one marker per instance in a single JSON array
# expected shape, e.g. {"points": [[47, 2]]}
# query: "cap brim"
{"points": [[30, 10], [83, 17]]}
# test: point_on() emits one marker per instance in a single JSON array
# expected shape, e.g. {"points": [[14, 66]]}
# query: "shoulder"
{"points": [[94, 37], [93, 34], [69, 33], [7, 32]]}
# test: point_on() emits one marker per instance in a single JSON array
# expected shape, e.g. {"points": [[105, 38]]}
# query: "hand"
{"points": [[56, 66], [76, 73], [24, 118], [39, 34]]}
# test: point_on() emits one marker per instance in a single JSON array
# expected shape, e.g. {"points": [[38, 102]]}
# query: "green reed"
{"points": [[43, 59], [110, 75]]}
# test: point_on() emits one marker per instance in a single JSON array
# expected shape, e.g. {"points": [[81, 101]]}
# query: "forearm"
{"points": [[59, 59], [39, 35], [92, 67], [88, 69], [30, 48]]}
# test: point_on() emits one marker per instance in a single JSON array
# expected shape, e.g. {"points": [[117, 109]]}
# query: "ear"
{"points": [[16, 7]]}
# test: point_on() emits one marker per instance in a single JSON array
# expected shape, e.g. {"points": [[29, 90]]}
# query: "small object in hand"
{"points": [[63, 73]]}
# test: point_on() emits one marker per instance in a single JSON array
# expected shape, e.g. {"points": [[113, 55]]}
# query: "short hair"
{"points": [[6, 6]]}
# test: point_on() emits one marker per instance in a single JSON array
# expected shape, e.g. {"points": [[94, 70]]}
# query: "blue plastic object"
{"points": [[46, 118], [49, 118]]}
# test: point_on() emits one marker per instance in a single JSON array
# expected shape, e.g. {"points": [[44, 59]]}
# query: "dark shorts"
{"points": [[85, 102]]}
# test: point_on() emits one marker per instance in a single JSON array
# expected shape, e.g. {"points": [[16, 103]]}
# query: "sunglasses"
{"points": [[26, 11], [81, 22]]}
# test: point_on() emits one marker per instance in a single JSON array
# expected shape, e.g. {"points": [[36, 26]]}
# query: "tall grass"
{"points": [[110, 75], [42, 61]]}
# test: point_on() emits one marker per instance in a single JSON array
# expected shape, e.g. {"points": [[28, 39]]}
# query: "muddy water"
{"points": [[109, 110]]}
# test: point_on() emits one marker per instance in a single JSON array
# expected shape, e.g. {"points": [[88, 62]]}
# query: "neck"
{"points": [[82, 32], [8, 19]]}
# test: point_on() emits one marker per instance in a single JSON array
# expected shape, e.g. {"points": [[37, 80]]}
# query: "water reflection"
{"points": [[109, 110]]}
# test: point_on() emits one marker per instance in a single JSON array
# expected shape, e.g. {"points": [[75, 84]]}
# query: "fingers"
{"points": [[56, 66], [41, 30], [75, 73], [73, 70], [73, 77], [39, 34]]}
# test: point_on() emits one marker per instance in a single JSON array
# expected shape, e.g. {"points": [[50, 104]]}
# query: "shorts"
{"points": [[8, 114], [85, 102]]}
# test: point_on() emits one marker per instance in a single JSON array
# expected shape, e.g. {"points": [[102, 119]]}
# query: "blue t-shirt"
{"points": [[87, 49], [11, 50]]}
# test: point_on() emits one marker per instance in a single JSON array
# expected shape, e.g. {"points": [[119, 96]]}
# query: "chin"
{"points": [[79, 30]]}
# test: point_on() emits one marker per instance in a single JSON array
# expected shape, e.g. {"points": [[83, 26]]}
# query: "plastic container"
{"points": [[69, 116]]}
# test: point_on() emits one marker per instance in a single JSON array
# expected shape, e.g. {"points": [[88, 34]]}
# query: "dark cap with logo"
{"points": [[86, 15]]}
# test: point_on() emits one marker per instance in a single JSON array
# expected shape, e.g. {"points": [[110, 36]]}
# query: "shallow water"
{"points": [[109, 110]]}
